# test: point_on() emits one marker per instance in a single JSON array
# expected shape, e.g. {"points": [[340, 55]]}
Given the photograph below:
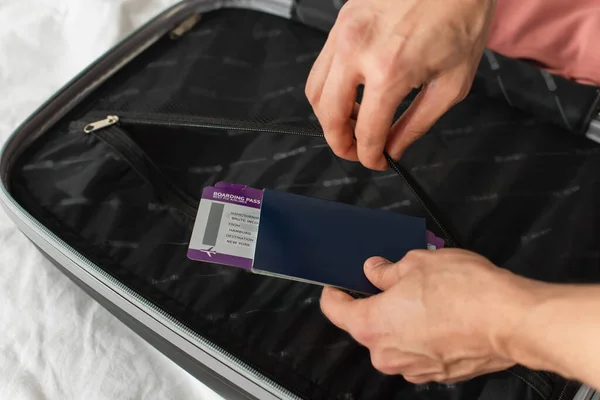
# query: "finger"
{"points": [[501, 365], [337, 306], [374, 124], [381, 272], [400, 136], [355, 111], [388, 361], [353, 119], [459, 376], [434, 100], [349, 314], [384, 274], [439, 378], [319, 72], [336, 107], [419, 379], [391, 361], [468, 368]]}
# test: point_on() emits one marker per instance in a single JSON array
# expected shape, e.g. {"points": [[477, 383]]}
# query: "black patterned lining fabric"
{"points": [[515, 182]]}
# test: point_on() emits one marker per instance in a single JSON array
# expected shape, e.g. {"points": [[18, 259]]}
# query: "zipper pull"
{"points": [[94, 126], [593, 132], [185, 26]]}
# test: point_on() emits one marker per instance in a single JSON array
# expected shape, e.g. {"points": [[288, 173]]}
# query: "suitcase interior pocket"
{"points": [[180, 156]]}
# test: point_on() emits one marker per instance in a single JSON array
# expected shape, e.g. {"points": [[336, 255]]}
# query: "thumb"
{"points": [[381, 272]]}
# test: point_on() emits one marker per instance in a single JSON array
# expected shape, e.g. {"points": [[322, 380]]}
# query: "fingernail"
{"points": [[375, 262]]}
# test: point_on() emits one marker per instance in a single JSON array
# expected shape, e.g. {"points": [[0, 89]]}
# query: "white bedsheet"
{"points": [[55, 341]]}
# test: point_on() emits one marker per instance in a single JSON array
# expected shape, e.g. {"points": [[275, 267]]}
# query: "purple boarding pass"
{"points": [[226, 227], [434, 242]]}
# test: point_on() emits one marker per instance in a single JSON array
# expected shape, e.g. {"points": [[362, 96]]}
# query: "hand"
{"points": [[443, 315], [393, 47]]}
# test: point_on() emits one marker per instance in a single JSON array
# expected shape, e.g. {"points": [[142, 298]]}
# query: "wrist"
{"points": [[518, 318]]}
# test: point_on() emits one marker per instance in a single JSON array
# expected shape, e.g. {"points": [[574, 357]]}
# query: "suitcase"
{"points": [[105, 178]]}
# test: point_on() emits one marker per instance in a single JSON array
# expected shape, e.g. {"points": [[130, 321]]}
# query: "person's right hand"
{"points": [[449, 315], [444, 315], [393, 47]]}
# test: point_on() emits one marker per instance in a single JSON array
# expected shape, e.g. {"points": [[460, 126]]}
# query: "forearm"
{"points": [[561, 333]]}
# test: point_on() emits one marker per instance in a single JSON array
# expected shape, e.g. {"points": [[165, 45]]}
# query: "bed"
{"points": [[56, 342]]}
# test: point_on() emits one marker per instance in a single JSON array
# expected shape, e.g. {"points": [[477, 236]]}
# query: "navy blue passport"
{"points": [[324, 242]]}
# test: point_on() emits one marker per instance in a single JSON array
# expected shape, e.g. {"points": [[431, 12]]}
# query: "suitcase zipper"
{"points": [[210, 123], [185, 26], [205, 123], [94, 126], [161, 317]]}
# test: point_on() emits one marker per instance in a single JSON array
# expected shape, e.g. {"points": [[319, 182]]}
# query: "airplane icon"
{"points": [[209, 252]]}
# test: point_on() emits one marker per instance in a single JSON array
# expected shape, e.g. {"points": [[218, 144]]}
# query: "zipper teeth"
{"points": [[190, 124], [147, 305], [564, 390], [207, 125], [447, 234], [532, 378]]}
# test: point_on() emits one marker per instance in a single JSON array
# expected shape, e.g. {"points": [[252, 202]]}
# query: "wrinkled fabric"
{"points": [[56, 342], [560, 35]]}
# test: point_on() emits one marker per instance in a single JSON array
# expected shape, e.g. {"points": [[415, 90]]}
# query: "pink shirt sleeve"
{"points": [[563, 36]]}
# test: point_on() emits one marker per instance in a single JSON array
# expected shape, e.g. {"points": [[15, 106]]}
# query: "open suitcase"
{"points": [[105, 179]]}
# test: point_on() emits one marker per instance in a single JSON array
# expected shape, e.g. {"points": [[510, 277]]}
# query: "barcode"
{"points": [[213, 223]]}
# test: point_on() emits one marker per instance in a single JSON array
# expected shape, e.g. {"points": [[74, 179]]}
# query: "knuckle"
{"points": [[440, 377], [377, 360], [419, 376], [363, 330], [345, 15], [310, 93], [416, 380], [332, 124], [381, 70], [369, 141], [373, 163], [415, 256], [383, 363], [363, 334], [342, 151], [370, 152], [397, 150], [460, 92], [348, 15], [349, 39], [314, 96], [350, 29], [380, 366], [390, 69]]}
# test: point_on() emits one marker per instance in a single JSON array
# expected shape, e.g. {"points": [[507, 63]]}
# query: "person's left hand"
{"points": [[443, 315]]}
